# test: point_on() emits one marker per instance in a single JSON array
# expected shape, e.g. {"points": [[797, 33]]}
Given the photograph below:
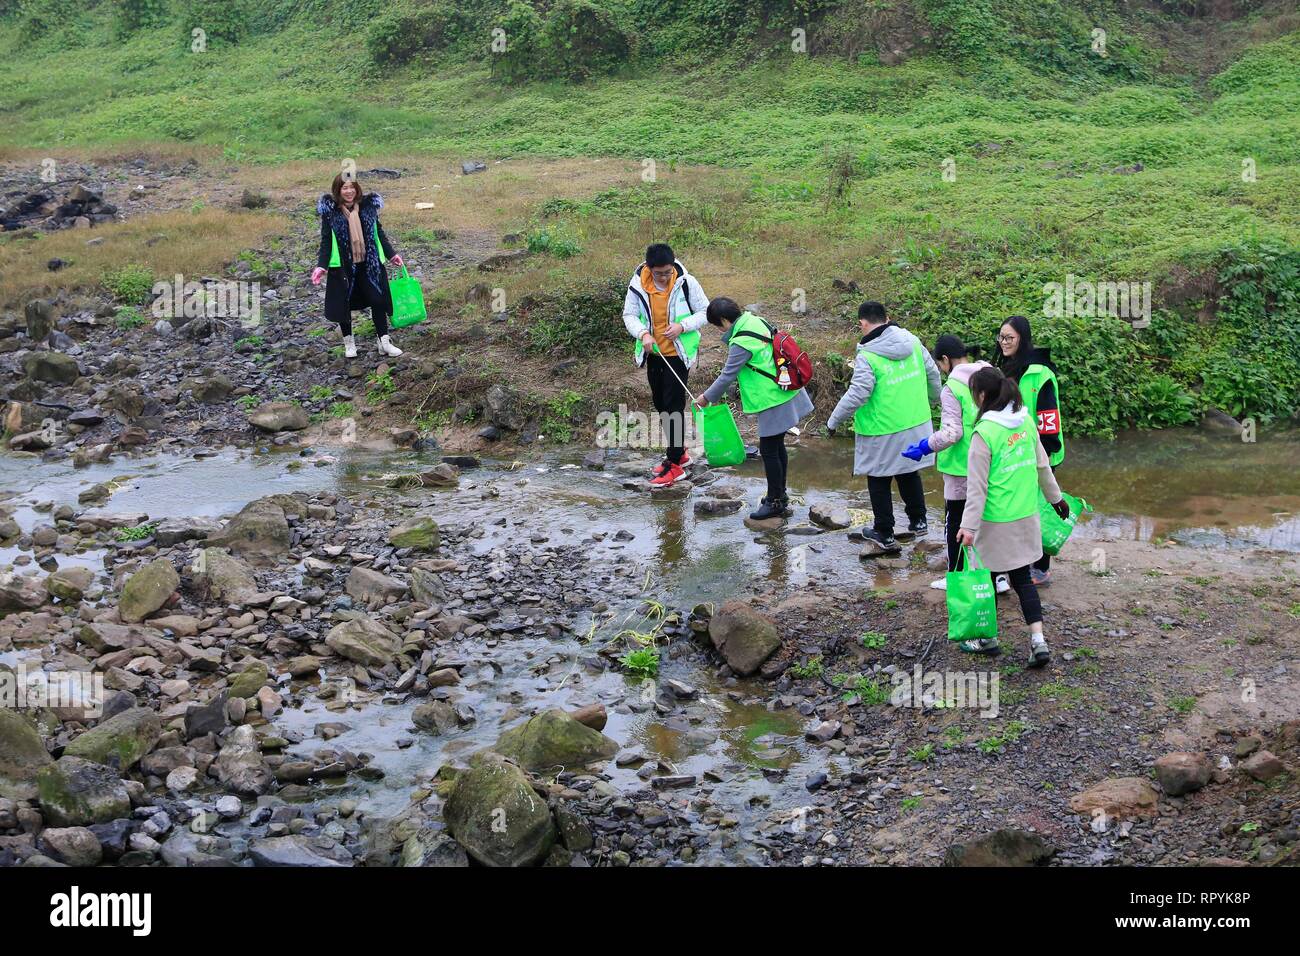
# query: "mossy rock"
{"points": [[553, 739], [121, 740]]}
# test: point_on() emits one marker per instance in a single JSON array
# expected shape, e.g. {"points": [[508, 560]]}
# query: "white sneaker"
{"points": [[349, 346], [388, 348], [940, 584], [1002, 583]]}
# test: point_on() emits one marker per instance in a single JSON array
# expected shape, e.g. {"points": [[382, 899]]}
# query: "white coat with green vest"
{"points": [[895, 381], [686, 306], [1005, 470]]}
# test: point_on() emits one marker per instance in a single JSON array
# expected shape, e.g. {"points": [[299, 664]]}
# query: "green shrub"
{"points": [[228, 21], [131, 284], [42, 17], [581, 318], [582, 40], [397, 36], [521, 26], [1163, 403], [575, 41], [134, 15], [553, 242]]}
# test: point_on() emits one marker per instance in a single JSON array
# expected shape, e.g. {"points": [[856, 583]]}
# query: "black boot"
{"points": [[769, 508], [786, 510]]}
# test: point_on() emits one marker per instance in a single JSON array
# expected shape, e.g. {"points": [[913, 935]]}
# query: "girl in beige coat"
{"points": [[1008, 546]]}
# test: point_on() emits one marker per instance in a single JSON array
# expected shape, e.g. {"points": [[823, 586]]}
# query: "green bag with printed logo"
{"points": [[972, 600], [408, 300]]}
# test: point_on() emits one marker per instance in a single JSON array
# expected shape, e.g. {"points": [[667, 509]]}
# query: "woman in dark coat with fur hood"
{"points": [[353, 249]]}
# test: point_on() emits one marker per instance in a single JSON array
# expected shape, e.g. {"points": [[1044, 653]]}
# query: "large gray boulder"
{"points": [[219, 576], [554, 739], [52, 367], [240, 767], [279, 417], [147, 590], [298, 850], [121, 740], [744, 637], [74, 792], [259, 533], [494, 813], [22, 755], [374, 588], [364, 641]]}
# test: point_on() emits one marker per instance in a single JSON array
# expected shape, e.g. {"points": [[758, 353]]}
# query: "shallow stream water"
{"points": [[1197, 489]]}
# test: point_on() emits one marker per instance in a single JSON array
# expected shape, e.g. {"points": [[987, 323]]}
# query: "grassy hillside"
{"points": [[819, 165]]}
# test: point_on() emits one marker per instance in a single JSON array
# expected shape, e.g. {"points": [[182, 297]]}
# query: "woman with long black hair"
{"points": [[1031, 368], [353, 249], [1006, 469]]}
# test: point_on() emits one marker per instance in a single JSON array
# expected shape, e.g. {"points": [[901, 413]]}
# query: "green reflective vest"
{"points": [[1013, 470], [1031, 383], [757, 378], [335, 262], [952, 460], [688, 343], [901, 397]]}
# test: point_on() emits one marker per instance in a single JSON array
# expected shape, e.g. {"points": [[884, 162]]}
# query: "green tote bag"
{"points": [[972, 600], [717, 428], [408, 300], [1057, 530]]}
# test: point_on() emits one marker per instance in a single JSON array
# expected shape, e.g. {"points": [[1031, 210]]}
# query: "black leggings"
{"points": [[1025, 590], [882, 500], [775, 463], [952, 514], [1045, 562]]}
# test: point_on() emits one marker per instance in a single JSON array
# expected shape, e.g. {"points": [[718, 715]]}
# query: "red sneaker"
{"points": [[660, 468], [668, 476]]}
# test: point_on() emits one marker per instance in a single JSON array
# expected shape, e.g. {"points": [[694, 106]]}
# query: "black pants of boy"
{"points": [[776, 462], [1045, 562], [882, 500], [669, 398]]}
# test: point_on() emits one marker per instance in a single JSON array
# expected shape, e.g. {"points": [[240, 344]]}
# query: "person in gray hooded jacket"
{"points": [[895, 381]]}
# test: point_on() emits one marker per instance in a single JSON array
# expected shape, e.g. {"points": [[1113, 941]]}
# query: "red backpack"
{"points": [[794, 368]]}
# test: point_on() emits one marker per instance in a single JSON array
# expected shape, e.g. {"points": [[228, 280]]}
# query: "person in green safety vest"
{"points": [[1032, 370], [353, 249], [951, 443], [895, 381], [752, 366], [1005, 470]]}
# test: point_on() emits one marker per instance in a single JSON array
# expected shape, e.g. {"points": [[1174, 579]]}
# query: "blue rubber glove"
{"points": [[918, 451]]}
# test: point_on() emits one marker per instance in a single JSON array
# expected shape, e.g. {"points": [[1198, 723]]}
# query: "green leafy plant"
{"points": [[137, 533], [922, 754], [380, 386], [130, 283], [812, 667], [642, 662], [128, 318], [873, 640]]}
